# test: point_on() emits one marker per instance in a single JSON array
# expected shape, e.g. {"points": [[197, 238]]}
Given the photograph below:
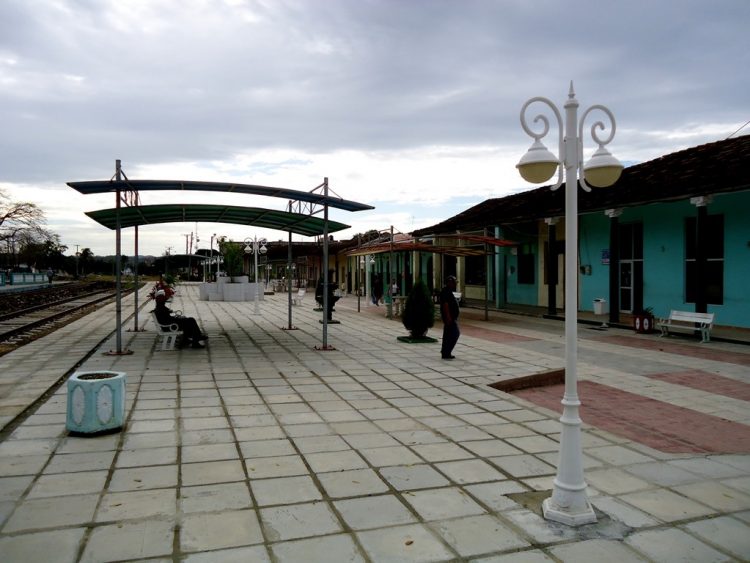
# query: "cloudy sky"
{"points": [[409, 105]]}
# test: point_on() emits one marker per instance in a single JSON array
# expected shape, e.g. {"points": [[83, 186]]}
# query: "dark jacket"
{"points": [[447, 297]]}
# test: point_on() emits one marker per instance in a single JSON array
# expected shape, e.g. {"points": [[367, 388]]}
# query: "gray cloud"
{"points": [[170, 81]]}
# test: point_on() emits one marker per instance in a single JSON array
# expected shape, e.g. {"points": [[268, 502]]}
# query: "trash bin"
{"points": [[601, 307]]}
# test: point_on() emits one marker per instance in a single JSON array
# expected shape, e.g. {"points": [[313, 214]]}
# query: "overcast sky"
{"points": [[410, 106]]}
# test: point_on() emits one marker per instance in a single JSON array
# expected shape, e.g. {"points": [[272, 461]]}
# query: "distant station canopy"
{"points": [[289, 221], [297, 223], [299, 217], [104, 186]]}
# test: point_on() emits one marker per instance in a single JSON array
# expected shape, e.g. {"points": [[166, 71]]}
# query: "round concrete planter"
{"points": [[250, 292], [96, 401], [203, 291], [234, 291]]}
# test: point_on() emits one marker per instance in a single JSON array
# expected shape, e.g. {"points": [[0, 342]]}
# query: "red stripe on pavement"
{"points": [[656, 424], [704, 351], [493, 335], [705, 381]]}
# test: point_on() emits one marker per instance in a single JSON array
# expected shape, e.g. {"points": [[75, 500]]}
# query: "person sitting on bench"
{"points": [[191, 332]]}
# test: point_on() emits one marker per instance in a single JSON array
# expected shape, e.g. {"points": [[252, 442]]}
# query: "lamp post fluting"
{"points": [[569, 503], [256, 246]]}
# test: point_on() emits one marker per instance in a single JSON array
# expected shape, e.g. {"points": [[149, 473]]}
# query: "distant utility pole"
{"points": [[166, 259]]}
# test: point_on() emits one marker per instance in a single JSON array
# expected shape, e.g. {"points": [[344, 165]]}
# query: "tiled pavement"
{"points": [[262, 448]]}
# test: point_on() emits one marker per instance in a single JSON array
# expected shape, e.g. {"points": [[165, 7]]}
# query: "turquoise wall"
{"points": [[736, 308], [521, 293], [593, 237], [664, 256]]}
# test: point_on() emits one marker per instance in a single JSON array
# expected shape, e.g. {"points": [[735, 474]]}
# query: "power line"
{"points": [[740, 129]]}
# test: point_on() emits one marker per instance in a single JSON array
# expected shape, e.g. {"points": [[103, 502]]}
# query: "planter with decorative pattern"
{"points": [[96, 401]]}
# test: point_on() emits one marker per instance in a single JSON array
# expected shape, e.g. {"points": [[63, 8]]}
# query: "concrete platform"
{"points": [[262, 448]]}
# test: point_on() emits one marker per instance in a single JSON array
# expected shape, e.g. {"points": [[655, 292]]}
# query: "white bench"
{"points": [[689, 322], [297, 299], [168, 333]]}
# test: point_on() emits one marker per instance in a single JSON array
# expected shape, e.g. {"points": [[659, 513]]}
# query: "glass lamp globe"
{"points": [[538, 164], [603, 169]]}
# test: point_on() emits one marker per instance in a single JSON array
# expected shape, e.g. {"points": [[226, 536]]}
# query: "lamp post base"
{"points": [[123, 352], [569, 515]]}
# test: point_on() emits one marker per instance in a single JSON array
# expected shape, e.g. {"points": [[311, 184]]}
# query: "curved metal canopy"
{"points": [[104, 186], [187, 213]]}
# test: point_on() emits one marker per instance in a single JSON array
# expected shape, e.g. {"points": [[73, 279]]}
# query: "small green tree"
{"points": [[419, 311], [233, 257], [86, 261]]}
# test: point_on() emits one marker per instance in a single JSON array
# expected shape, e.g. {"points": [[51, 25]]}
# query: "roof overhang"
{"points": [[451, 250], [296, 223]]}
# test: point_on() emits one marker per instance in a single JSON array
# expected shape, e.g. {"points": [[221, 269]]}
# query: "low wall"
{"points": [[228, 291], [22, 278]]}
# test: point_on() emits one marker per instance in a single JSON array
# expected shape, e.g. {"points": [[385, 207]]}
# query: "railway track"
{"points": [[26, 324]]}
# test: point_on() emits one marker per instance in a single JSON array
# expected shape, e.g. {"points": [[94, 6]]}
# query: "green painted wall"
{"points": [[521, 293], [664, 256]]}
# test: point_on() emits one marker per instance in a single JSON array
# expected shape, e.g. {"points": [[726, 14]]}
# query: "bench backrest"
{"points": [[156, 321], [691, 317]]}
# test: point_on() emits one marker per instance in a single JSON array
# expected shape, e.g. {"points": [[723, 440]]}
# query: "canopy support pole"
{"points": [[118, 275], [325, 268], [290, 278], [118, 252], [135, 281]]}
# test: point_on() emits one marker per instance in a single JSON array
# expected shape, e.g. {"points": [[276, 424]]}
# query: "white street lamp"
{"points": [[370, 261], [358, 280], [569, 503], [256, 246], [210, 260]]}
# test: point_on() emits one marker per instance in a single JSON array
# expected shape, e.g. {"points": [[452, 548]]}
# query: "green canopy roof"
{"points": [[297, 223], [104, 186]]}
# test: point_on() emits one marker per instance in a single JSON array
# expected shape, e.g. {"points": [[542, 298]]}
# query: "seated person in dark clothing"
{"points": [[332, 298], [191, 332]]}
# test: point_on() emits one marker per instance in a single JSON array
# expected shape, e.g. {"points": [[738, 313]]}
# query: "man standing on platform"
{"points": [[449, 313]]}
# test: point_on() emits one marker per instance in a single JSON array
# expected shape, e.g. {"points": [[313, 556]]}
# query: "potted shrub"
{"points": [[419, 314], [643, 320], [166, 283], [233, 259], [233, 262]]}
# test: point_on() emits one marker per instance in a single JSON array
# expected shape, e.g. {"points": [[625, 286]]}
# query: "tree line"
{"points": [[26, 243]]}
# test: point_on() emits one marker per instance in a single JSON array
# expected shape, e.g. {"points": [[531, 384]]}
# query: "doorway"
{"points": [[631, 267]]}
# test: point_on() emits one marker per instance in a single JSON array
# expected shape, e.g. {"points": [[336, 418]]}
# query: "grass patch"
{"points": [[422, 340]]}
